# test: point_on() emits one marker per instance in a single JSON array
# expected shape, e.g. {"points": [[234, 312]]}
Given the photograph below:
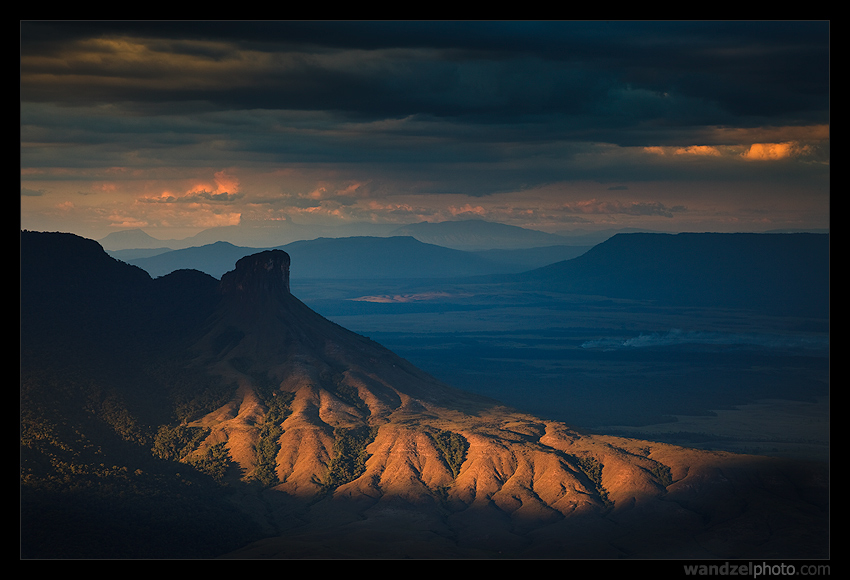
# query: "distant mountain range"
{"points": [[468, 235], [777, 273], [359, 257], [247, 235], [785, 273], [474, 235]]}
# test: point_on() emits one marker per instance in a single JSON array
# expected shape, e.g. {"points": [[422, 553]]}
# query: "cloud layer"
{"points": [[535, 123]]}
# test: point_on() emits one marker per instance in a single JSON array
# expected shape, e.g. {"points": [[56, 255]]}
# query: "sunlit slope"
{"points": [[515, 474]]}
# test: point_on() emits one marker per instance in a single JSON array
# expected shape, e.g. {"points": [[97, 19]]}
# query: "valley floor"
{"points": [[773, 427], [714, 379]]}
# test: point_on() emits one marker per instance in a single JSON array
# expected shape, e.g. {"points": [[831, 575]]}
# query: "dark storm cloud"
{"points": [[584, 74]]}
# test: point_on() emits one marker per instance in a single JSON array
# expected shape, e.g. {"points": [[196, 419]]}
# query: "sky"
{"points": [[176, 127]]}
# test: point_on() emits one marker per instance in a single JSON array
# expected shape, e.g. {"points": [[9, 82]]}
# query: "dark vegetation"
{"points": [[214, 462], [662, 473], [349, 394], [175, 443], [102, 406], [98, 482], [592, 468], [192, 393], [453, 447], [277, 405], [349, 455]]}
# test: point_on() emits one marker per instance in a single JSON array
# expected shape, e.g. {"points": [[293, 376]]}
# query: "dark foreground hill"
{"points": [[783, 274], [186, 417]]}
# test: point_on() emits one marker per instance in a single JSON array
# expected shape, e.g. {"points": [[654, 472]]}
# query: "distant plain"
{"points": [[701, 377]]}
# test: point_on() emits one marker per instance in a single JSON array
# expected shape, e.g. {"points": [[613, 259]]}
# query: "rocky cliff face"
{"points": [[265, 272]]}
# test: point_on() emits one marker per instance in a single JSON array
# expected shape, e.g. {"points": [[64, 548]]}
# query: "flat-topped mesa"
{"points": [[264, 273]]}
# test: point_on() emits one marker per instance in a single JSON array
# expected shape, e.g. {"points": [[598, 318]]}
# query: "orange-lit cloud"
{"points": [[224, 188], [376, 205], [350, 190], [695, 150], [750, 152], [328, 191], [164, 197], [318, 193], [698, 150], [773, 151], [196, 205], [226, 183], [468, 209]]}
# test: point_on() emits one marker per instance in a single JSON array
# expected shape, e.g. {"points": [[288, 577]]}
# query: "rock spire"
{"points": [[258, 274]]}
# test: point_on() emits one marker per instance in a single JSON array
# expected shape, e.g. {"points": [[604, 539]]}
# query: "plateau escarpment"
{"points": [[334, 446]]}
